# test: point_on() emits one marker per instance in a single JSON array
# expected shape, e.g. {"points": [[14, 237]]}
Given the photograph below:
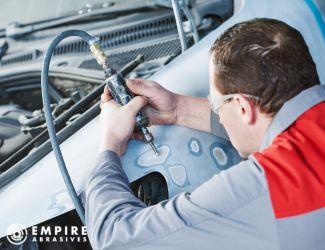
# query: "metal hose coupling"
{"points": [[97, 51]]}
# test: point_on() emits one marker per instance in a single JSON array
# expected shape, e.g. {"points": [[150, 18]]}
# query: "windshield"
{"points": [[29, 11]]}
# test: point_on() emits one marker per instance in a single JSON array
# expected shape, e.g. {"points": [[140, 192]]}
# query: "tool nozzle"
{"points": [[149, 139], [154, 148]]}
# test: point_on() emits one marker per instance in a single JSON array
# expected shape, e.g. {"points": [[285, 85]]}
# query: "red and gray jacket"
{"points": [[273, 200]]}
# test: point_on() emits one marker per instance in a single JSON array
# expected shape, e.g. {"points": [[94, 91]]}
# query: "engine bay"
{"points": [[74, 73], [75, 79]]}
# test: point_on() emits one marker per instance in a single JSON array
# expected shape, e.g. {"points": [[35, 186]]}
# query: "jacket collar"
{"points": [[291, 110]]}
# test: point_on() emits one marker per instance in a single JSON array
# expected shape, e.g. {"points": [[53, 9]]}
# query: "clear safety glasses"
{"points": [[216, 102]]}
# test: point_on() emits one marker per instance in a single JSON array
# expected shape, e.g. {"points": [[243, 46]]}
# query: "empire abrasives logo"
{"points": [[16, 234]]}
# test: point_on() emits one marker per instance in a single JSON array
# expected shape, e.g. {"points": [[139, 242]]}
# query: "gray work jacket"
{"points": [[233, 210]]}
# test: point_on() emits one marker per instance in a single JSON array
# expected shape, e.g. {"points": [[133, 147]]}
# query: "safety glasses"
{"points": [[216, 102]]}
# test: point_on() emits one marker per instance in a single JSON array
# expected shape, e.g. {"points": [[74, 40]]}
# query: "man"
{"points": [[265, 91]]}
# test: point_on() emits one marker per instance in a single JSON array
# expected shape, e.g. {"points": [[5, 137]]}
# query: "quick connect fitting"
{"points": [[97, 51]]}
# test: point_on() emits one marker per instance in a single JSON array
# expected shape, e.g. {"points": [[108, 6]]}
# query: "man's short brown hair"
{"points": [[265, 58]]}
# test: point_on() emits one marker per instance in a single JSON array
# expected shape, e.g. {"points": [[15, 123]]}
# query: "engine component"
{"points": [[59, 123], [151, 189], [11, 138], [3, 47]]}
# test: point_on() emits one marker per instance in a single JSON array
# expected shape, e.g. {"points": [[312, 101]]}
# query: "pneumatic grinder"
{"points": [[120, 92]]}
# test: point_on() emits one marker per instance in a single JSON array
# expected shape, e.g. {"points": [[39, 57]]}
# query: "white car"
{"points": [[32, 191]]}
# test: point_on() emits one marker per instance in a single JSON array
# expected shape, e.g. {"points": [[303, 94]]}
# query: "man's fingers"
{"points": [[136, 104], [106, 96], [106, 90], [140, 87], [111, 104]]}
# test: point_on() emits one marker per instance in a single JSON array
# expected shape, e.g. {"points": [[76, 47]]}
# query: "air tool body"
{"points": [[121, 93]]}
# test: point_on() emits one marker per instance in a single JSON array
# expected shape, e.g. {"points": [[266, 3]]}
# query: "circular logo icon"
{"points": [[16, 234]]}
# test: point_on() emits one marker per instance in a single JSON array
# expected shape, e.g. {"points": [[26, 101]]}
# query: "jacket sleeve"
{"points": [[216, 127], [116, 219]]}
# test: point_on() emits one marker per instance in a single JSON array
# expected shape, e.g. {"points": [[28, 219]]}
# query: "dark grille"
{"points": [[152, 29], [170, 47], [162, 26], [18, 59]]}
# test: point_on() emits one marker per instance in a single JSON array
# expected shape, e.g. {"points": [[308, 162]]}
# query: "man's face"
{"points": [[235, 117]]}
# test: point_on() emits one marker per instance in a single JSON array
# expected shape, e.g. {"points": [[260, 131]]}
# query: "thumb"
{"points": [[136, 104]]}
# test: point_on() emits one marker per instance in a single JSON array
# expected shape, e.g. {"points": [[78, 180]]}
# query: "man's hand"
{"points": [[162, 104], [118, 122], [163, 107]]}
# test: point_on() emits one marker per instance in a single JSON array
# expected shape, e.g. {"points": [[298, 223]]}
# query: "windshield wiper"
{"points": [[16, 29]]}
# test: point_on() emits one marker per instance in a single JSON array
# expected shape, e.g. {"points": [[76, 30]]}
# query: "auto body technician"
{"points": [[265, 91]]}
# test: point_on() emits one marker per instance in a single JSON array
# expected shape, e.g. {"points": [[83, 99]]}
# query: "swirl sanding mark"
{"points": [[148, 158], [195, 146], [178, 174], [220, 156]]}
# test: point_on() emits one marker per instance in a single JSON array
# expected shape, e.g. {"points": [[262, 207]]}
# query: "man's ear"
{"points": [[246, 109]]}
